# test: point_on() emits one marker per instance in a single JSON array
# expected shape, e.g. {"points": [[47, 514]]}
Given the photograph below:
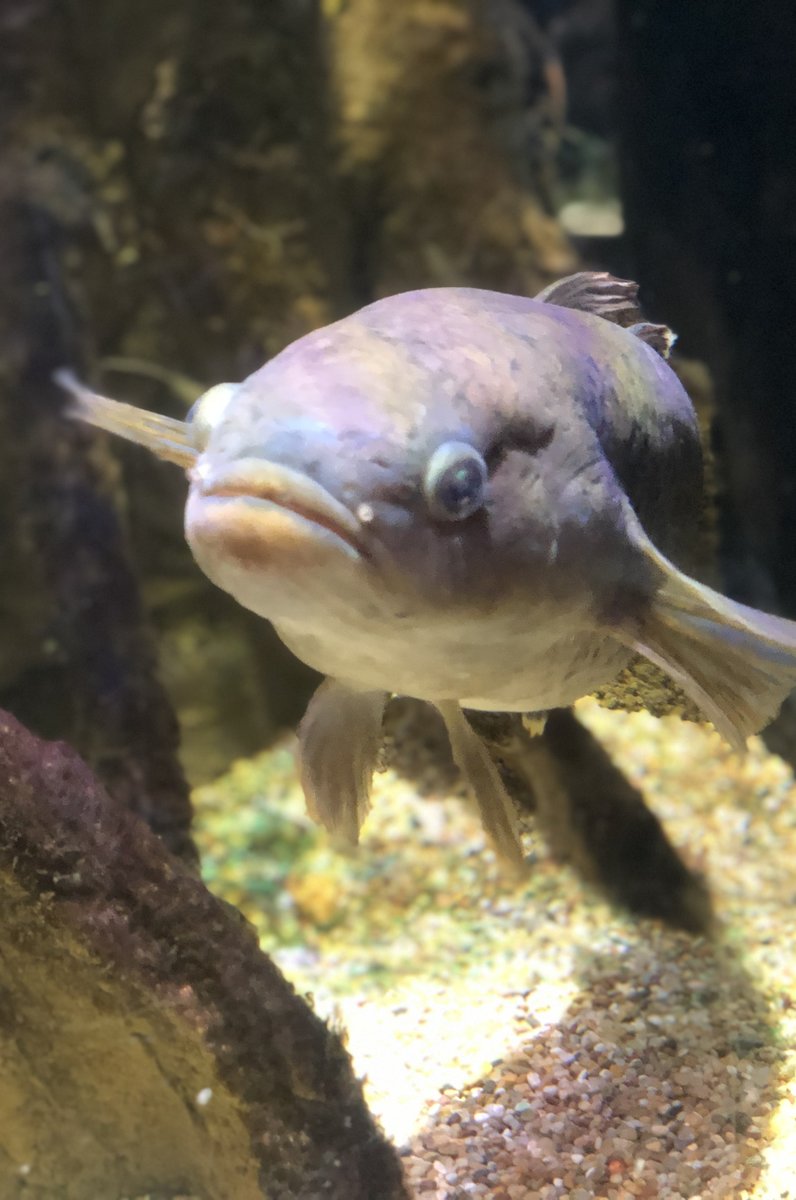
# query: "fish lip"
{"points": [[286, 488]]}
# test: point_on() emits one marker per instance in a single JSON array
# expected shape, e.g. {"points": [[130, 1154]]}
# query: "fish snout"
{"points": [[265, 515]]}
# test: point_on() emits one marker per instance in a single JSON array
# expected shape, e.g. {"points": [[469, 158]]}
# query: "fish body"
{"points": [[504, 609], [474, 499]]}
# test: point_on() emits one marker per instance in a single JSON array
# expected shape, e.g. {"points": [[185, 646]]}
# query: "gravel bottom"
{"points": [[532, 1042]]}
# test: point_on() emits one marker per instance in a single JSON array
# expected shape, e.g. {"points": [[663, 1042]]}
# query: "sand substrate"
{"points": [[524, 1042]]}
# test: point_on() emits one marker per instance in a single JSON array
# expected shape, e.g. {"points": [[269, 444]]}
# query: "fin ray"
{"points": [[339, 741], [660, 337], [494, 803], [614, 300], [596, 292], [166, 437], [738, 664]]}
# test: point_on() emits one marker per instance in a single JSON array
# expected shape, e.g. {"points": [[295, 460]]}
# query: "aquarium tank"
{"points": [[398, 600]]}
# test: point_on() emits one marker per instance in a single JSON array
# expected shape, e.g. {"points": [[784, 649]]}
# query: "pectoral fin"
{"points": [[165, 436], [736, 663], [339, 739], [494, 803]]}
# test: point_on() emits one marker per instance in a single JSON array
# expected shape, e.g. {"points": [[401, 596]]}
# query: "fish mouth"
{"points": [[281, 488]]}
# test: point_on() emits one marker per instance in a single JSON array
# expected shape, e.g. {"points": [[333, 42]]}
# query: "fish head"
{"points": [[419, 497], [390, 470]]}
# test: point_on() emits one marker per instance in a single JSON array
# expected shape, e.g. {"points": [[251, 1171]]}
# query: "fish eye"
{"points": [[454, 482], [206, 412]]}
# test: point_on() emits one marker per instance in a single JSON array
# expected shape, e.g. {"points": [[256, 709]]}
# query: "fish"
{"points": [[472, 498]]}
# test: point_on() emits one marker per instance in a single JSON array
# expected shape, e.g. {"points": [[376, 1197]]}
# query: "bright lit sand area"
{"points": [[534, 1042]]}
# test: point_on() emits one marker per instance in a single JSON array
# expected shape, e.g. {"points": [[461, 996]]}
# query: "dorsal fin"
{"points": [[660, 337], [596, 292], [612, 299]]}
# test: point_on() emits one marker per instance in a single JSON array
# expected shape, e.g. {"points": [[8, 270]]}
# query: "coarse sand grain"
{"points": [[531, 1042]]}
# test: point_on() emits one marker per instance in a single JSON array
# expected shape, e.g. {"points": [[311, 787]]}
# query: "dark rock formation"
{"points": [[149, 1047]]}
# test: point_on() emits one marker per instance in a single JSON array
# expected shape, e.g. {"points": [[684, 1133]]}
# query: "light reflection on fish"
{"points": [[470, 498]]}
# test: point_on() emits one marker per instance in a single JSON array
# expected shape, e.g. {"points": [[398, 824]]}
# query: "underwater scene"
{"points": [[397, 600]]}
